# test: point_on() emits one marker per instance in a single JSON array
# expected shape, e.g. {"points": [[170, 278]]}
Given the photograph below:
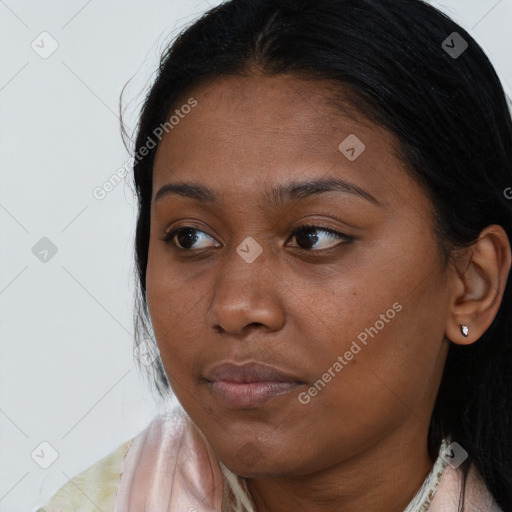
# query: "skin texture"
{"points": [[361, 443]]}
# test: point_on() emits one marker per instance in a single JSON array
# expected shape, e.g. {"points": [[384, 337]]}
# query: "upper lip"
{"points": [[248, 372]]}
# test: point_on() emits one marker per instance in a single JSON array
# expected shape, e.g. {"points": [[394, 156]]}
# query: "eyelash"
{"points": [[170, 235]]}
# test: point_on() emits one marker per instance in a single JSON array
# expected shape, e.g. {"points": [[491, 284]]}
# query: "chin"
{"points": [[251, 462]]}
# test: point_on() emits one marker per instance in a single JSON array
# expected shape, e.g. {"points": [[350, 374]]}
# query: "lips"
{"points": [[249, 372], [249, 385]]}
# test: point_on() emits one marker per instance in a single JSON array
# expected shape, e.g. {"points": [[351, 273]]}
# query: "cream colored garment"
{"points": [[170, 467], [93, 489]]}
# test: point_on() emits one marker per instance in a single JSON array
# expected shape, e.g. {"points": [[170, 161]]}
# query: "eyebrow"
{"points": [[287, 192]]}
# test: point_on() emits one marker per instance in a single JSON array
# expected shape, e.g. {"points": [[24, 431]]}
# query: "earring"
{"points": [[465, 330]]}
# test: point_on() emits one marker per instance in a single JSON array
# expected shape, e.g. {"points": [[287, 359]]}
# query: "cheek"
{"points": [[388, 334], [171, 299], [173, 308], [387, 313]]}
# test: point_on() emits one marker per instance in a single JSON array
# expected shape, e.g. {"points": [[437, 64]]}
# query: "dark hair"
{"points": [[453, 128]]}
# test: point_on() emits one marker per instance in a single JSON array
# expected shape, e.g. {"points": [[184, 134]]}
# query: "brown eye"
{"points": [[309, 237], [186, 237]]}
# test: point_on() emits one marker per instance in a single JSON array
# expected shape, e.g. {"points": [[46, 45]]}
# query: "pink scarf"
{"points": [[168, 468]]}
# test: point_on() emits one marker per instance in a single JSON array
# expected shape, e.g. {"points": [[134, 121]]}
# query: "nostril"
{"points": [[219, 329], [257, 324]]}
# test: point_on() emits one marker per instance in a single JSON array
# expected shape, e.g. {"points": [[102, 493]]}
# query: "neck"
{"points": [[383, 478]]}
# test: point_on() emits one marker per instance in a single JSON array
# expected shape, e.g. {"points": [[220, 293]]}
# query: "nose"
{"points": [[246, 295]]}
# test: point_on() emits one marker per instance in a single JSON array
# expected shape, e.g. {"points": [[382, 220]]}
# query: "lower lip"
{"points": [[249, 394]]}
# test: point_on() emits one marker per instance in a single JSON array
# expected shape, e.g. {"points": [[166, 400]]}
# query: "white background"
{"points": [[67, 374]]}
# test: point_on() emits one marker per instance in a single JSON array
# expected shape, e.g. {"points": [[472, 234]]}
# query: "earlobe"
{"points": [[479, 288]]}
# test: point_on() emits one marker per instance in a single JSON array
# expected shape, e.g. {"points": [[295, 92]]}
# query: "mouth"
{"points": [[249, 385], [248, 395]]}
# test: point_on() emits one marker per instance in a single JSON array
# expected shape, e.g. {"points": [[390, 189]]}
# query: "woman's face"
{"points": [[355, 320]]}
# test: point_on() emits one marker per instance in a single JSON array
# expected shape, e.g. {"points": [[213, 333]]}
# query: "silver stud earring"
{"points": [[465, 330]]}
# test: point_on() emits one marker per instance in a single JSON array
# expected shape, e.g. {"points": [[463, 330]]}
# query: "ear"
{"points": [[478, 285]]}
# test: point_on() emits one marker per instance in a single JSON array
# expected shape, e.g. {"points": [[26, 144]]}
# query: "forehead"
{"points": [[249, 134]]}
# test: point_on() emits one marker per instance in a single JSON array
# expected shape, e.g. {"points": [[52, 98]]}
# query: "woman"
{"points": [[323, 250]]}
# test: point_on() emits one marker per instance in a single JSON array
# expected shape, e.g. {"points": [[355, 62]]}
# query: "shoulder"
{"points": [[477, 496], [110, 479], [92, 489], [480, 498]]}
